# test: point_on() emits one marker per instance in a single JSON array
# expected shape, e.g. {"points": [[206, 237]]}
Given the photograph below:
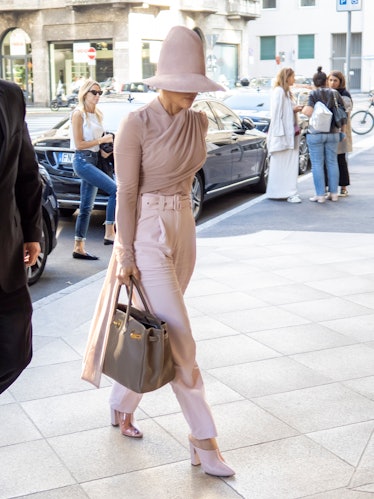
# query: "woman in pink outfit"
{"points": [[158, 150]]}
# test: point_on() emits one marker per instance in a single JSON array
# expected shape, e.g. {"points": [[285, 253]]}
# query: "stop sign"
{"points": [[91, 53]]}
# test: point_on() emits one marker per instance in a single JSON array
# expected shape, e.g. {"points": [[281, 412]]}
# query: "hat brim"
{"points": [[184, 83]]}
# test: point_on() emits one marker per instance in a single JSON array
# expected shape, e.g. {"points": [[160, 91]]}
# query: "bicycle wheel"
{"points": [[362, 122]]}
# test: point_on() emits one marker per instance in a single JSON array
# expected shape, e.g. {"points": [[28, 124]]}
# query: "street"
{"points": [[62, 270]]}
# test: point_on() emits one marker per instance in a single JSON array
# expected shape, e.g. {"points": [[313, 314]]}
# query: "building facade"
{"points": [[49, 44], [305, 34]]}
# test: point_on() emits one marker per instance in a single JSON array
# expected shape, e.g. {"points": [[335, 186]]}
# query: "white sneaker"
{"points": [[318, 199], [294, 199]]}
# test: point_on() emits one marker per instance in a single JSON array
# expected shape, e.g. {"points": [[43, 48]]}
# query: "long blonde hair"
{"points": [[281, 80], [83, 91]]}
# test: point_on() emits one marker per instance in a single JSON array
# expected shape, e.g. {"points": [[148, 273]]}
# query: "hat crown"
{"points": [[182, 52], [181, 65]]}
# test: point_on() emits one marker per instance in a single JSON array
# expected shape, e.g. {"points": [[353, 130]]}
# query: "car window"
{"points": [[228, 119], [248, 101], [114, 112], [204, 106]]}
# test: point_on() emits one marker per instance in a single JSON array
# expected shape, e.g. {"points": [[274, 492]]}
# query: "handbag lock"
{"points": [[135, 336]]}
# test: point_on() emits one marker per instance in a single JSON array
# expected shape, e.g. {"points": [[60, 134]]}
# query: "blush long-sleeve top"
{"points": [[154, 152]]}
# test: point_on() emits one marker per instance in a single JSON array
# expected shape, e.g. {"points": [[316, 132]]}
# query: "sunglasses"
{"points": [[95, 92]]}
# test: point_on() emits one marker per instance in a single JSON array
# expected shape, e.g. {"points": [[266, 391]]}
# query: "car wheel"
{"points": [[197, 195], [261, 186], [34, 273], [303, 156], [66, 212]]}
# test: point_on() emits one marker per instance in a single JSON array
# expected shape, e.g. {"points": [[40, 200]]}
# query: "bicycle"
{"points": [[362, 121]]}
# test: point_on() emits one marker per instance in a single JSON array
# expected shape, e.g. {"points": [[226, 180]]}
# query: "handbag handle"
{"points": [[134, 282]]}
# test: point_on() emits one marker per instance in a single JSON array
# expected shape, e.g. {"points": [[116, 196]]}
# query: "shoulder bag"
{"points": [[107, 164], [320, 121], [138, 353], [339, 114]]}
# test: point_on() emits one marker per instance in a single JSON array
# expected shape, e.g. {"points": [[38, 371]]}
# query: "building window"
{"points": [[306, 46], [307, 3], [269, 4], [16, 55], [267, 50], [70, 63]]}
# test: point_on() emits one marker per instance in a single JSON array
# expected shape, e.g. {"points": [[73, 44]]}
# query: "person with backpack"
{"points": [[323, 140]]}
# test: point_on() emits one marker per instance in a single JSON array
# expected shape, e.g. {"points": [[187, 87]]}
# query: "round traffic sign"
{"points": [[91, 53]]}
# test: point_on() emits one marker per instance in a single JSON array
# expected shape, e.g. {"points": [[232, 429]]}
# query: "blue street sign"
{"points": [[348, 5]]}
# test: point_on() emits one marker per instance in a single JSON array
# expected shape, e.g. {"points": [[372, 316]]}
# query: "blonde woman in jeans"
{"points": [[87, 134]]}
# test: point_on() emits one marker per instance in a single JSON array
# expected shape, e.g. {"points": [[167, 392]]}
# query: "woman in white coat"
{"points": [[283, 140]]}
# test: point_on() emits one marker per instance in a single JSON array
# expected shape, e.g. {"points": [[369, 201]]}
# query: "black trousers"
{"points": [[343, 171], [15, 335]]}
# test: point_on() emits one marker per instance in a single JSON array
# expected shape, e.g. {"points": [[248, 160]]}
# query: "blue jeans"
{"points": [[323, 149], [84, 165]]}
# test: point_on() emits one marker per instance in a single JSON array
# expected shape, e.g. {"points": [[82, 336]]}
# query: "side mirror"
{"points": [[248, 124]]}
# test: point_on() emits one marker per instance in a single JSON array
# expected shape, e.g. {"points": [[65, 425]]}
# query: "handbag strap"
{"points": [[134, 282], [335, 100]]}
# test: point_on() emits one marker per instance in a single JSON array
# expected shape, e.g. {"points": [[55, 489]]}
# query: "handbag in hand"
{"points": [[339, 114], [138, 353]]}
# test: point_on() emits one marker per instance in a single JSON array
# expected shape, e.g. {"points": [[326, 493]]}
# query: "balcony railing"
{"points": [[247, 9], [134, 3], [11, 5], [204, 6]]}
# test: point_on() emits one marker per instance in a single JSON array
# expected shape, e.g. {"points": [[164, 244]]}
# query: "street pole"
{"points": [[348, 51]]}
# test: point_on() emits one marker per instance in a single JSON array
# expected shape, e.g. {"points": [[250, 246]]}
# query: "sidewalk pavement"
{"points": [[282, 308]]}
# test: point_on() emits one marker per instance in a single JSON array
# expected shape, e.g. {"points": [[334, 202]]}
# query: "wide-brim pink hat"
{"points": [[181, 65]]}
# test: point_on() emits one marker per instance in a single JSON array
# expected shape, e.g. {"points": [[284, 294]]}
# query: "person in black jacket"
{"points": [[21, 226]]}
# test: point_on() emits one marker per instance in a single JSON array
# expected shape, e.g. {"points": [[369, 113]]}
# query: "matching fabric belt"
{"points": [[176, 202]]}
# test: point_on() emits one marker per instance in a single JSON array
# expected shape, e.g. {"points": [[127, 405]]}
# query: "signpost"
{"points": [[348, 6], [91, 54]]}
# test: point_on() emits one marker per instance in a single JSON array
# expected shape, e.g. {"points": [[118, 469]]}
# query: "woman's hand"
{"points": [[105, 154], [106, 139], [125, 272], [297, 109]]}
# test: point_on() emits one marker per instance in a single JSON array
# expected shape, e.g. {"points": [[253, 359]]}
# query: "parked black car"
{"points": [[255, 104], [50, 222], [237, 155]]}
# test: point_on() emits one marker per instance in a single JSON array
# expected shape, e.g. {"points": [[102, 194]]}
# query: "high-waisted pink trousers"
{"points": [[165, 251]]}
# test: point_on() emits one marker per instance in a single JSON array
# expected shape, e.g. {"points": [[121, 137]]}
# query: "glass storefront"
{"points": [[72, 62], [222, 64], [17, 61]]}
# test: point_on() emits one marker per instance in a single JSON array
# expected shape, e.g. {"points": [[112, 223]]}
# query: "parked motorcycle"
{"points": [[69, 101]]}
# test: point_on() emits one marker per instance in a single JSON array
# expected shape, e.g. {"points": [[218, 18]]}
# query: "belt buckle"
{"points": [[176, 202]]}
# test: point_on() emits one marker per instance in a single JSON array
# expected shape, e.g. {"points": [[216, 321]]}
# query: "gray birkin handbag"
{"points": [[138, 353]]}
